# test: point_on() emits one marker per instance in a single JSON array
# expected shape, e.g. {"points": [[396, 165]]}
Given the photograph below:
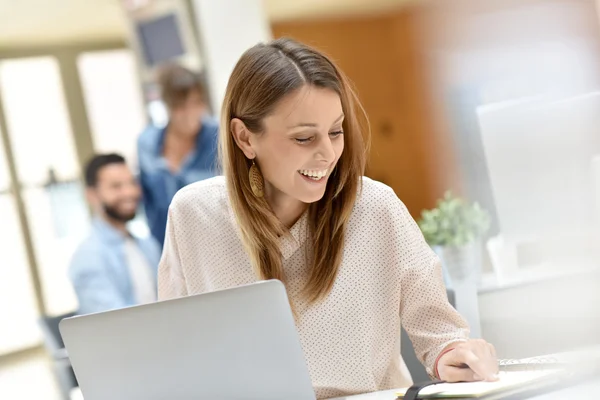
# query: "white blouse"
{"points": [[351, 340]]}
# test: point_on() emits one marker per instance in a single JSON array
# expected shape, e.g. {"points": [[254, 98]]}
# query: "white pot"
{"points": [[462, 262]]}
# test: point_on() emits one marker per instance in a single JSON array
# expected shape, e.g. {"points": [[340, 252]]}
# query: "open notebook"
{"points": [[508, 381]]}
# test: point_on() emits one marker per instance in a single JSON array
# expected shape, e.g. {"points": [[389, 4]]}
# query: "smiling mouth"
{"points": [[315, 175]]}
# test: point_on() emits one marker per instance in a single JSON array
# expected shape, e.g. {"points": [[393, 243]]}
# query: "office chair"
{"points": [[56, 348], [417, 370]]}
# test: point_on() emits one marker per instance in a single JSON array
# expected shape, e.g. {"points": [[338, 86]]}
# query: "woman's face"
{"points": [[186, 117], [300, 146]]}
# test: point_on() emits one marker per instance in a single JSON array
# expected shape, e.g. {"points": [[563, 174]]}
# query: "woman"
{"points": [[182, 152], [293, 205]]}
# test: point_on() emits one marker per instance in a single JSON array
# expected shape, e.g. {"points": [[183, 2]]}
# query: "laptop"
{"points": [[239, 343]]}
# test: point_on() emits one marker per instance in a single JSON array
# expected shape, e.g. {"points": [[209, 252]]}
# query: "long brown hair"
{"points": [[262, 77]]}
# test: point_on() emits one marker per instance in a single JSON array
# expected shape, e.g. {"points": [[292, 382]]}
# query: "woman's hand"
{"points": [[473, 360]]}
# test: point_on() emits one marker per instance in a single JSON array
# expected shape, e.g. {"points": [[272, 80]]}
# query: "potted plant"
{"points": [[454, 229]]}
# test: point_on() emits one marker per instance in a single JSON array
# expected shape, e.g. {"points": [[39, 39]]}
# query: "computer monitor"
{"points": [[539, 156], [161, 32], [160, 39]]}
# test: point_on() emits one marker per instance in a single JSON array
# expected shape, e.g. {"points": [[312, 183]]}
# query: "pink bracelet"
{"points": [[437, 360]]}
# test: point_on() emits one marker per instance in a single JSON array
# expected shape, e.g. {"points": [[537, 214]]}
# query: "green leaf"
{"points": [[454, 222]]}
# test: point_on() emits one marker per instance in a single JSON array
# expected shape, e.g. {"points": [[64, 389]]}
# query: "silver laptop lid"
{"points": [[238, 343]]}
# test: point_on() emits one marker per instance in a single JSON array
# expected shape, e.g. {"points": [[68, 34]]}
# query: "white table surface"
{"points": [[385, 395], [76, 394]]}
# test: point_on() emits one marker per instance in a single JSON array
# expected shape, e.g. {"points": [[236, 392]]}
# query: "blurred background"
{"points": [[497, 101]]}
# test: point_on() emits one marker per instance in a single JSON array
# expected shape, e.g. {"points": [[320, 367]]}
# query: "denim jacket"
{"points": [[159, 184]]}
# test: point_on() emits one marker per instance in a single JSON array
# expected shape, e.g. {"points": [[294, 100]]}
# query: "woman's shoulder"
{"points": [[206, 197], [376, 194], [378, 200]]}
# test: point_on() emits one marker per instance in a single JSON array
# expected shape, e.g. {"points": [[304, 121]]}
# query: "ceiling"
{"points": [[41, 22], [46, 22], [295, 9]]}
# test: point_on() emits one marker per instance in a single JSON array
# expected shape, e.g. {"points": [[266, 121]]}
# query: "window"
{"points": [[17, 297], [47, 168], [113, 100]]}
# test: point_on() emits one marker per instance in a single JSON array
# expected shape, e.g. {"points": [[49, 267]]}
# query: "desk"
{"points": [[589, 389], [527, 276], [76, 394], [385, 395], [583, 391], [582, 383]]}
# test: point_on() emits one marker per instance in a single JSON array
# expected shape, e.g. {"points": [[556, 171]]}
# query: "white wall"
{"points": [[544, 317], [227, 29]]}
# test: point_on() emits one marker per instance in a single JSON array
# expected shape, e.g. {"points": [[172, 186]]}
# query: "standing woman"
{"points": [[294, 205], [182, 152]]}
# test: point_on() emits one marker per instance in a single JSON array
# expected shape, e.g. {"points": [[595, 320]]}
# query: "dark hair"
{"points": [[98, 162], [176, 83]]}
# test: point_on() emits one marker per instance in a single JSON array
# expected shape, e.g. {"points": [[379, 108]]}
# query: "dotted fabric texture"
{"points": [[351, 340]]}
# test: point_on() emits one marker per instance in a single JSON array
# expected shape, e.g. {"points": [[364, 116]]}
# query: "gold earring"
{"points": [[256, 180]]}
